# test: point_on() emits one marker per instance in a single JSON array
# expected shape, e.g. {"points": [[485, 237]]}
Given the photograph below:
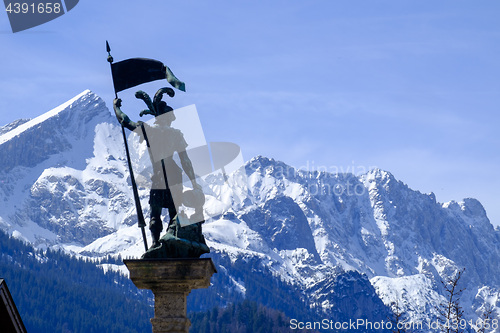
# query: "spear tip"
{"points": [[108, 49]]}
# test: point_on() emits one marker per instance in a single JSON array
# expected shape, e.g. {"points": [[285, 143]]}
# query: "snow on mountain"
{"points": [[64, 183], [63, 179], [416, 294]]}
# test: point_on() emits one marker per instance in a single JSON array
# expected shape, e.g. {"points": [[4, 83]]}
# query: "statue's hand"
{"points": [[122, 117]]}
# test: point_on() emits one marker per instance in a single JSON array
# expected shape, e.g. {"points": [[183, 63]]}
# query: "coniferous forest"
{"points": [[55, 292], [244, 317], [58, 293]]}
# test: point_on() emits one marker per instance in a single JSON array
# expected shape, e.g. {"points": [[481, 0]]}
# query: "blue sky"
{"points": [[412, 87]]}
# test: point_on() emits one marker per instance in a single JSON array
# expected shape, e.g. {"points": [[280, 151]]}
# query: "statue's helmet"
{"points": [[162, 108]]}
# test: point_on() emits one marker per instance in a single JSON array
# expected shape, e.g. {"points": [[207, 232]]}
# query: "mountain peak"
{"points": [[471, 210], [376, 177], [377, 173], [52, 132], [26, 125], [16, 123], [261, 160], [472, 207]]}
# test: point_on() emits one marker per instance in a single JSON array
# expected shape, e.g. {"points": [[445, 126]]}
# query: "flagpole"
{"points": [[141, 222]]}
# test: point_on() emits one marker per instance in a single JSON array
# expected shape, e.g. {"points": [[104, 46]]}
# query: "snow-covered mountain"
{"points": [[345, 241]]}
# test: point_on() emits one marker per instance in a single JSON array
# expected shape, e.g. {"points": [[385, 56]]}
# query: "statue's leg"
{"points": [[170, 205], [155, 223]]}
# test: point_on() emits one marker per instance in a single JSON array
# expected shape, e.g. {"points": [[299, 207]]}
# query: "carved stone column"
{"points": [[171, 280]]}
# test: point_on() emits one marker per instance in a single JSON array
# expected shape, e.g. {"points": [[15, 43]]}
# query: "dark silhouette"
{"points": [[163, 141]]}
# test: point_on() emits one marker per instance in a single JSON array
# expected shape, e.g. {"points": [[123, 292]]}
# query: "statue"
{"points": [[163, 141]]}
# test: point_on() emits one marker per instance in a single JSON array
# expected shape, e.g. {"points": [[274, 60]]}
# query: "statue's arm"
{"points": [[187, 166], [122, 117]]}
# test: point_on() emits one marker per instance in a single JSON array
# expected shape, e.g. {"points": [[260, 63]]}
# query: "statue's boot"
{"points": [[156, 239], [155, 225], [180, 242]]}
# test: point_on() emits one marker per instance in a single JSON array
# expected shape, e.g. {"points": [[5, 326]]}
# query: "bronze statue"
{"points": [[163, 141]]}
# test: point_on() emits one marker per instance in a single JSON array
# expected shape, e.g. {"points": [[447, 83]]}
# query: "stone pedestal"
{"points": [[171, 280]]}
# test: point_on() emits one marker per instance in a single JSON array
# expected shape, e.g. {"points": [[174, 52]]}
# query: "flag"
{"points": [[134, 71]]}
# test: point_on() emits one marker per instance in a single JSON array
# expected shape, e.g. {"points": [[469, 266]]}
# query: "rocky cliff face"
{"points": [[374, 224], [63, 177], [345, 242]]}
